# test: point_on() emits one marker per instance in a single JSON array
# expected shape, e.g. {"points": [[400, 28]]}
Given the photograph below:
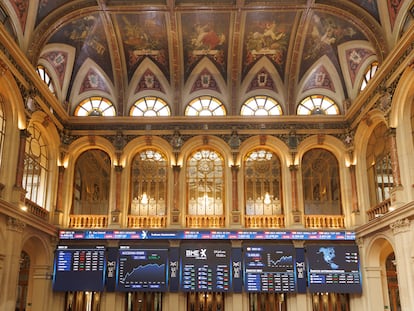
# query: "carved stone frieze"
{"points": [[401, 225], [15, 224]]}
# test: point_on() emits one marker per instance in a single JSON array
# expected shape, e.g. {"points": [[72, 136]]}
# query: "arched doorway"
{"points": [[392, 283], [23, 282]]}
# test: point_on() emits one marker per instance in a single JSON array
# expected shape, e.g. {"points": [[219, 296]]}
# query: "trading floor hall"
{"points": [[220, 155]]}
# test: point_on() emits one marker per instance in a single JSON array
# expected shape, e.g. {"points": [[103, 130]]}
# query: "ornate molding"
{"points": [[15, 224], [401, 225]]}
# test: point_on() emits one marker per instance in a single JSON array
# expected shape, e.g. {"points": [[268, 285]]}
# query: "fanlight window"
{"points": [[95, 106], [205, 106], [35, 176], [205, 182], [261, 106], [41, 71], [317, 105], [149, 183], [150, 107], [262, 183], [369, 74]]}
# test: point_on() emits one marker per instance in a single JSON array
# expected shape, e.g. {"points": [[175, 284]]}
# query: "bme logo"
{"points": [[196, 253]]}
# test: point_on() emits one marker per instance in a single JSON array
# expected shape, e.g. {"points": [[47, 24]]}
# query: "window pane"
{"points": [[205, 106], [261, 106]]}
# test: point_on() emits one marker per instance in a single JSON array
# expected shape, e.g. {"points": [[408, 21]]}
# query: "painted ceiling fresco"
{"points": [[286, 48]]}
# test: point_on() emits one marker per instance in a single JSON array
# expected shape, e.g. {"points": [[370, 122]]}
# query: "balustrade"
{"points": [[264, 221], [325, 221], [379, 209], [147, 221], [88, 221], [205, 221]]}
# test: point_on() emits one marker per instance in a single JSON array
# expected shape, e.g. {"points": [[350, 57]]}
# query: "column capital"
{"points": [[401, 225], [119, 168]]}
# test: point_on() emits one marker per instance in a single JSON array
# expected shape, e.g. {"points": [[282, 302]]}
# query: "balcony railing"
{"points": [[88, 221], [147, 221], [264, 221], [36, 210], [205, 221], [324, 221], [379, 209]]}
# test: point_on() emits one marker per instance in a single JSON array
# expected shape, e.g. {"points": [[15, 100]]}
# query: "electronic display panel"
{"points": [[205, 267], [333, 268], [269, 268], [79, 268], [142, 269]]}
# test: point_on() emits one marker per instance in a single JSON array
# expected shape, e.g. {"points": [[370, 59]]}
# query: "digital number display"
{"points": [[205, 267], [333, 268], [79, 268], [143, 269], [269, 268]]}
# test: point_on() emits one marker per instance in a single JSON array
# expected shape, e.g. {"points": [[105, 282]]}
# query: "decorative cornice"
{"points": [[15, 224], [401, 225]]}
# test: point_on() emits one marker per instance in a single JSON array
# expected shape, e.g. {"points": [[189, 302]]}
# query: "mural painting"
{"points": [[370, 6], [267, 35], [205, 35], [325, 34], [394, 7], [87, 36], [47, 6], [21, 7], [144, 35]]}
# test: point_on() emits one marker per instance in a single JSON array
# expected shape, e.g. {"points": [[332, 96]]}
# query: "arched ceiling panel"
{"points": [[118, 36]]}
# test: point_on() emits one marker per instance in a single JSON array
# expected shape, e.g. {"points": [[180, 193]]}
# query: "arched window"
{"points": [[262, 183], [205, 106], [95, 106], [369, 74], [205, 183], [92, 183], [42, 72], [317, 105], [321, 188], [261, 106], [36, 169], [149, 183], [150, 107], [2, 130], [378, 162]]}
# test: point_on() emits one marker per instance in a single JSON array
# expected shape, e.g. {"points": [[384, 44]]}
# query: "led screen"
{"points": [[205, 267], [79, 268], [333, 268], [142, 269], [269, 268]]}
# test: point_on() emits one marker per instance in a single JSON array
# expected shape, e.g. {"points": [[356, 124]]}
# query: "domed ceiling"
{"points": [[230, 49]]}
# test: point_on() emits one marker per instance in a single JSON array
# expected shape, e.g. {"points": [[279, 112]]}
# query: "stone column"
{"points": [[394, 157], [11, 264], [373, 289], [59, 207], [19, 192], [355, 207], [58, 214], [176, 195], [234, 183], [41, 284], [118, 190], [294, 186], [404, 260]]}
